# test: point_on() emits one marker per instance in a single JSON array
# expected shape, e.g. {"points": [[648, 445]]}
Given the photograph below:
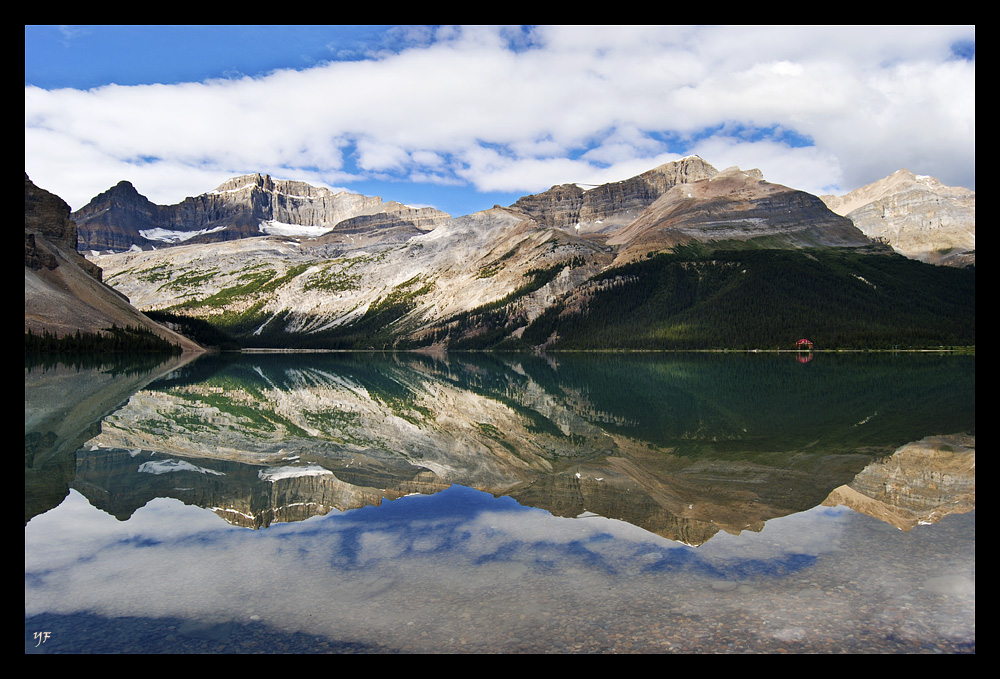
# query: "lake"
{"points": [[502, 503]]}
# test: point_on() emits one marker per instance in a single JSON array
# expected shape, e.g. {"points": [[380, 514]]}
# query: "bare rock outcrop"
{"points": [[603, 208], [917, 215], [920, 483]]}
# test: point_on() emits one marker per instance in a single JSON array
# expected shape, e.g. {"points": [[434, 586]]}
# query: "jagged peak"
{"points": [[289, 187], [685, 162], [123, 190], [735, 170]]}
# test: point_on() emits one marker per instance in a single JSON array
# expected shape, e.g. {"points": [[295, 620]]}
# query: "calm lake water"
{"points": [[502, 503]]}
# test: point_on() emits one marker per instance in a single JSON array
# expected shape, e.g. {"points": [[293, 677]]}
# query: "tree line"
{"points": [[117, 340]]}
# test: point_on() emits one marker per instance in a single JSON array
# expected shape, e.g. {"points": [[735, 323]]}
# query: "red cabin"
{"points": [[803, 344]]}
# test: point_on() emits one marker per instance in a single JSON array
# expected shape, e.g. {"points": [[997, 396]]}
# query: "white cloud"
{"points": [[568, 103], [806, 168]]}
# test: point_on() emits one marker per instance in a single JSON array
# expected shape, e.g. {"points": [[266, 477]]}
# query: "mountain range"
{"points": [[681, 256], [243, 207]]}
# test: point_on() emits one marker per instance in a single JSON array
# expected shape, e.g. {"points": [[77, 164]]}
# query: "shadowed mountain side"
{"points": [[63, 292]]}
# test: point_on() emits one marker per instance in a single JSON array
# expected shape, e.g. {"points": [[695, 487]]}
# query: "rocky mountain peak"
{"points": [[124, 194], [683, 171], [124, 187], [600, 209], [919, 216]]}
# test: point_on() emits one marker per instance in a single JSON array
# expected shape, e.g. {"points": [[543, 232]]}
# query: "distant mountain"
{"points": [[63, 292], [681, 256], [917, 215], [243, 207]]}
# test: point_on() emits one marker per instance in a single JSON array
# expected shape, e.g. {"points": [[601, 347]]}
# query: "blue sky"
{"points": [[466, 117]]}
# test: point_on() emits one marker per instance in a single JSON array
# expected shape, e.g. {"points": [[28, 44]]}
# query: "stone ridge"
{"points": [[605, 207], [735, 205]]}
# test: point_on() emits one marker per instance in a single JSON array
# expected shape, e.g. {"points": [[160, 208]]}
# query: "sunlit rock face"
{"points": [[603, 208], [243, 207], [917, 215]]}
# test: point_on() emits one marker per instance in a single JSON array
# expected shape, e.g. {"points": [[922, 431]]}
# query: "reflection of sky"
{"points": [[371, 572], [79, 557]]}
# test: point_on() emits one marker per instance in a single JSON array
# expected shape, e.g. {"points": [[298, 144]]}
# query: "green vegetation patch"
{"points": [[495, 434], [115, 340], [252, 412], [698, 297], [189, 279], [334, 276]]}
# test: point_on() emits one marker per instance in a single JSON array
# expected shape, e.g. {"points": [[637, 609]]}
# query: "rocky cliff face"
{"points": [[917, 215], [603, 208], [243, 207], [63, 291], [48, 231]]}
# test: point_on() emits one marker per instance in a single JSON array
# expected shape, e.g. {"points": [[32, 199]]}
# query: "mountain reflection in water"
{"points": [[525, 467]]}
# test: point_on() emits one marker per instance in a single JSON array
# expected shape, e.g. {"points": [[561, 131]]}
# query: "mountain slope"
{"points": [[916, 214], [63, 292], [734, 205], [704, 298]]}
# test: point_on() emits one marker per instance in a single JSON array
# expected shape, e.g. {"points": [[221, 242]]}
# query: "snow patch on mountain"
{"points": [[170, 236]]}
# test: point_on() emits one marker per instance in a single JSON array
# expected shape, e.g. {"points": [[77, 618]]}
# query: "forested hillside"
{"points": [[695, 298]]}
